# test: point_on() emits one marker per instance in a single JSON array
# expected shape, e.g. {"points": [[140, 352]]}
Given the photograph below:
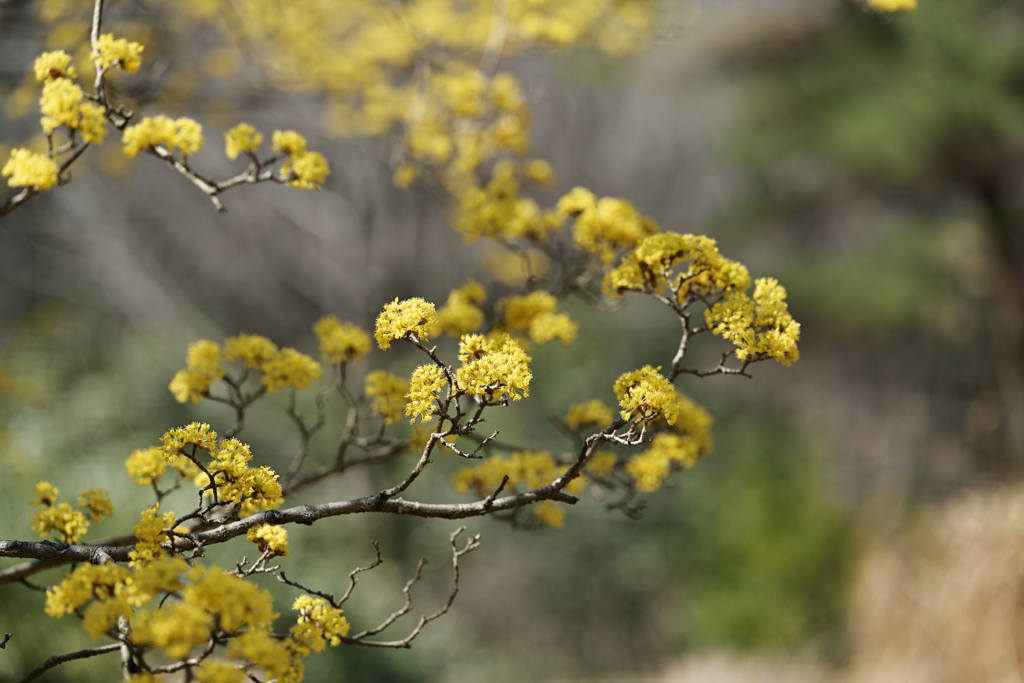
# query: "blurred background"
{"points": [[860, 518]]}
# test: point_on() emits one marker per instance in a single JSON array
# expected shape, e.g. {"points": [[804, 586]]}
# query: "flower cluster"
{"points": [[242, 138], [460, 314], [290, 368], [424, 388], [497, 211], [27, 169], [71, 524], [604, 226], [388, 393], [655, 264], [305, 170], [496, 367], [318, 624], [646, 395], [182, 134], [760, 328], [110, 51], [591, 413], [269, 537], [251, 489], [203, 370], [400, 318], [535, 314], [893, 5], [341, 342]]}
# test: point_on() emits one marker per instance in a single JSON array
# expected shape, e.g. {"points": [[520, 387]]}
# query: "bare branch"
{"points": [[57, 660]]}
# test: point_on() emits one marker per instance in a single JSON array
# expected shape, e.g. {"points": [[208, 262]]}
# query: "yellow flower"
{"points": [[86, 582], [760, 328], [893, 5], [341, 342], [212, 671], [539, 171], [149, 534], [196, 434], [46, 494], [593, 412], [494, 367], [601, 464], [184, 134], [551, 513], [242, 138], [400, 318], [60, 104], [97, 502], [306, 171], [269, 537], [535, 313], [388, 393], [51, 65], [405, 175], [27, 169], [645, 394], [651, 267], [606, 227], [290, 369], [318, 624], [289, 142], [253, 350], [203, 370], [426, 385], [108, 51], [460, 315], [71, 524]]}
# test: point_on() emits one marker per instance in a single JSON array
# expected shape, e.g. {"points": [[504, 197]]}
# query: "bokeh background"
{"points": [[860, 518]]}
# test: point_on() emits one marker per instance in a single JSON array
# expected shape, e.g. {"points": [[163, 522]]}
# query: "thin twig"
{"points": [[57, 660]]}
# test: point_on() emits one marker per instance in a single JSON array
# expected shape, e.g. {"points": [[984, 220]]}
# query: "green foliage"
{"points": [[766, 552], [888, 97]]}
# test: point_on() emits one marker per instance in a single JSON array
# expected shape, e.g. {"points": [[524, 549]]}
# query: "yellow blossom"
{"points": [[405, 175], [494, 367], [289, 142], [149, 534], [893, 5], [27, 169], [184, 134], [539, 171], [592, 413], [101, 616], [341, 342], [266, 652], [46, 494], [687, 263], [176, 628], [516, 268], [60, 104], [601, 464], [50, 65], [388, 393], [318, 624], [424, 388], [70, 523], [399, 318], [86, 582], [666, 451], [645, 394], [242, 138], [306, 171], [97, 502], [760, 328], [203, 370], [460, 315], [196, 434], [269, 537], [109, 51], [212, 671], [606, 227], [253, 350], [551, 513], [290, 369], [535, 313], [235, 602]]}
